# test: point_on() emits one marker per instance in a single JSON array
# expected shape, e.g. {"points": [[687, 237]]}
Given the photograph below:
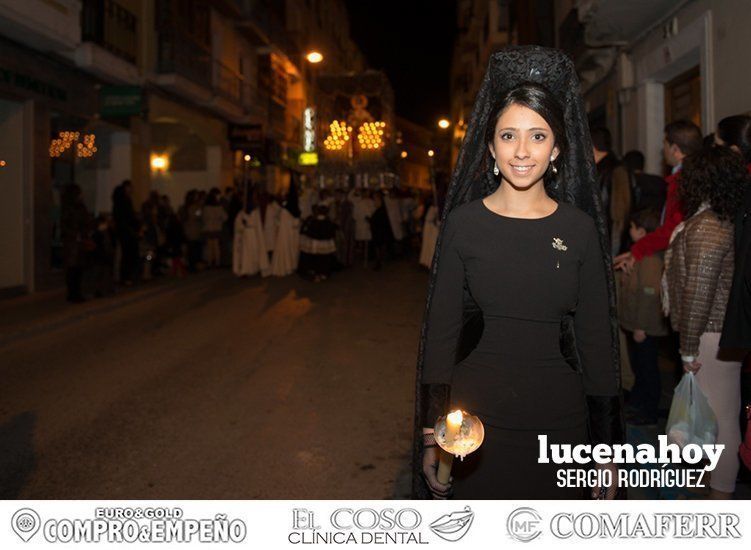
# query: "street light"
{"points": [[443, 123], [404, 154], [314, 57], [159, 163], [311, 125]]}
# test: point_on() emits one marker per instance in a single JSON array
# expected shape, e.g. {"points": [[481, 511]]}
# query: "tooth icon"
{"points": [[453, 526], [25, 523]]}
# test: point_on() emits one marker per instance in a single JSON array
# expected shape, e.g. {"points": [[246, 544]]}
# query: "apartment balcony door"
{"points": [[683, 97]]}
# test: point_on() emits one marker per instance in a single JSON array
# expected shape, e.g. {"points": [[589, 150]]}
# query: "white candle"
{"points": [[453, 427]]}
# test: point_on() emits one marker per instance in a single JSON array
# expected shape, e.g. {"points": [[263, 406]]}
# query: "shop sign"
{"points": [[118, 101]]}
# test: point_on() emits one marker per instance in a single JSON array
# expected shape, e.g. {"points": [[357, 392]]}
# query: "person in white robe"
{"points": [[250, 256], [271, 223], [429, 236], [285, 258], [362, 209], [395, 215]]}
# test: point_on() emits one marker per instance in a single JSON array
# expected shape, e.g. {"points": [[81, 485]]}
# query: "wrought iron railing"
{"points": [[180, 54], [111, 26]]}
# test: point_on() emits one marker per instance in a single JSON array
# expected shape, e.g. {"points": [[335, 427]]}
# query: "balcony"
{"points": [[609, 21], [108, 24], [262, 22], [256, 105], [184, 66], [110, 41], [227, 86], [228, 83], [44, 25]]}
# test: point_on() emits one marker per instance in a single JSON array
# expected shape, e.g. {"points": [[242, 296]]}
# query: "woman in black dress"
{"points": [[519, 327]]}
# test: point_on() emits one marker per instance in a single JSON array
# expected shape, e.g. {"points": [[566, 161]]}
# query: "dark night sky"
{"points": [[412, 41]]}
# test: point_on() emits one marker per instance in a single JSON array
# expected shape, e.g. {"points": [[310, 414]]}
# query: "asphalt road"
{"points": [[220, 388]]}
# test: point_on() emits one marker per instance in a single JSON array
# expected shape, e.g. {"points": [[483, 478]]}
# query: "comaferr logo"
{"points": [[523, 524], [453, 526], [699, 525]]}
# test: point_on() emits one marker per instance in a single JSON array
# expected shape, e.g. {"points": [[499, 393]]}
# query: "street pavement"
{"points": [[214, 387]]}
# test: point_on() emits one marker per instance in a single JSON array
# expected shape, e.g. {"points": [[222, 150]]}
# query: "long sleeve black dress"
{"points": [[530, 277]]}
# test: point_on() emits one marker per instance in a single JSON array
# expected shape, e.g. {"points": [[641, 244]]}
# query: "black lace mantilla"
{"points": [[473, 178]]}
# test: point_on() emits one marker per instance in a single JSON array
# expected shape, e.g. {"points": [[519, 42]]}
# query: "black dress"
{"points": [[529, 276]]}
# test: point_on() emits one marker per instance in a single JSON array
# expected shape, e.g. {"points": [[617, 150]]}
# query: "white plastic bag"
{"points": [[691, 419]]}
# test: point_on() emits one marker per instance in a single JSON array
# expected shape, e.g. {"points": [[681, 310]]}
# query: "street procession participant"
{"points": [[520, 326]]}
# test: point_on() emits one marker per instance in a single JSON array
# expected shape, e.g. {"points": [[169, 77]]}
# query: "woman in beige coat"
{"points": [[699, 271]]}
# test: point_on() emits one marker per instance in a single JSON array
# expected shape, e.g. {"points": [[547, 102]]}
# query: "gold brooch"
{"points": [[558, 244]]}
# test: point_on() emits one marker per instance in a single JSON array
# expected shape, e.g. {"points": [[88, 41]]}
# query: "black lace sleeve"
{"points": [[435, 402]]}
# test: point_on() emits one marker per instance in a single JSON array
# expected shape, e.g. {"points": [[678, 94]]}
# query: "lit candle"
{"points": [[453, 429], [453, 426]]}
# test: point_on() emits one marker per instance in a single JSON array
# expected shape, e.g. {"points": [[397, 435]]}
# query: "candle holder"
{"points": [[458, 434]]}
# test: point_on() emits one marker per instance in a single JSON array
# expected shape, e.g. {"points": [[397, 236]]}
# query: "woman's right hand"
{"points": [[693, 366], [430, 473]]}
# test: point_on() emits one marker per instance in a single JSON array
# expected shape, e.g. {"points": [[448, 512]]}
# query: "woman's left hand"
{"points": [[610, 491]]}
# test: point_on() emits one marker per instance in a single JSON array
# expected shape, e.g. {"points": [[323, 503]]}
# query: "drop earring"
{"points": [[496, 171], [555, 170]]}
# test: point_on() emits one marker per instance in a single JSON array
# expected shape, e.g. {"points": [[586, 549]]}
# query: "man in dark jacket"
{"points": [[736, 329], [75, 226], [615, 188]]}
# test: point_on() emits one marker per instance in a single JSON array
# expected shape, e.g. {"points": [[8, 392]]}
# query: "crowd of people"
{"points": [[682, 259], [312, 232], [129, 245], [681, 247]]}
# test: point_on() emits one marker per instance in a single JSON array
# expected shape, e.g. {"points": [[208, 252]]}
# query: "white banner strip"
{"points": [[272, 524]]}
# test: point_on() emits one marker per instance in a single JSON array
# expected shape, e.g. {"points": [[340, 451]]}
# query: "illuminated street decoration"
{"points": [[339, 136], [370, 135], [62, 143], [66, 139], [87, 148], [309, 129]]}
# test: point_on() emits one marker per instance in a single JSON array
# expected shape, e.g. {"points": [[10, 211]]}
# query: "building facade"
{"points": [[170, 94], [645, 64]]}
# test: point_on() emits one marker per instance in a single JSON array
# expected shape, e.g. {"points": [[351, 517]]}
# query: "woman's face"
{"points": [[523, 145]]}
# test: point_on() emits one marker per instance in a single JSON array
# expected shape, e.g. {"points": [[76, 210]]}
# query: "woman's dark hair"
{"points": [[213, 198], [646, 218], [716, 175], [736, 130], [602, 140], [541, 101], [634, 161]]}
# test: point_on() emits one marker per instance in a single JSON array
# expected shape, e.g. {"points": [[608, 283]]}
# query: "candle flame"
{"points": [[455, 417]]}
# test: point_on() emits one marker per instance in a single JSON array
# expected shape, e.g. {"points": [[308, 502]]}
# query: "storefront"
{"points": [[185, 149], [47, 108]]}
